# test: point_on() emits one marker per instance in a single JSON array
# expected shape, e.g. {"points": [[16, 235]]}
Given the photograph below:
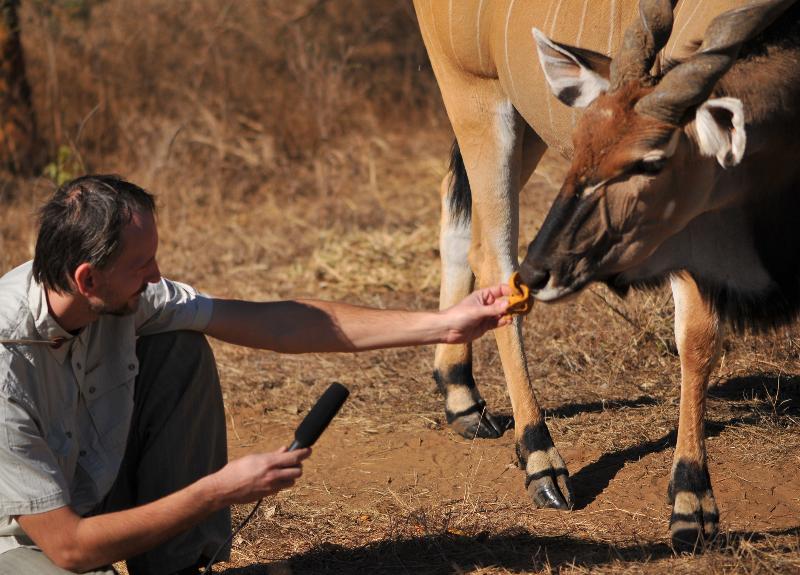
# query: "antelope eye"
{"points": [[648, 167]]}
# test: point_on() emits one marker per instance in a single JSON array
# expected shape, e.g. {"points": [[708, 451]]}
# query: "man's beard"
{"points": [[123, 310], [127, 308]]}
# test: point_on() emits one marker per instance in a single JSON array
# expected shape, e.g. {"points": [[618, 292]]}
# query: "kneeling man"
{"points": [[112, 430]]}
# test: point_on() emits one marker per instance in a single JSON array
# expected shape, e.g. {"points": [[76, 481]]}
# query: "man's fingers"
{"points": [[496, 307], [301, 454], [286, 484], [499, 290], [281, 485], [285, 458], [286, 473], [277, 479], [499, 321], [501, 304], [491, 295]]}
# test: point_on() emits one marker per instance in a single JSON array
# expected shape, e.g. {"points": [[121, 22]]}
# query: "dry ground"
{"points": [[305, 162]]}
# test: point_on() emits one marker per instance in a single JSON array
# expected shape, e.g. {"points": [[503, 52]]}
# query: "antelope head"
{"points": [[647, 149]]}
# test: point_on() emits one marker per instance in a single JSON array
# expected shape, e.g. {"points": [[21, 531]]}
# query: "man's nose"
{"points": [[154, 275]]}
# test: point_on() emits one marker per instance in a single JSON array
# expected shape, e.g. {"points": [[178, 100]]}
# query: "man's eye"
{"points": [[648, 167]]}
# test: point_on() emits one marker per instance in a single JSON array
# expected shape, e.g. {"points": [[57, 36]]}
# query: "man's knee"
{"points": [[28, 561], [177, 365]]}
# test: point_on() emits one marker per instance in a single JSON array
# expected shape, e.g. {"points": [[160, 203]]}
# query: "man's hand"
{"points": [[255, 476], [79, 543], [477, 313]]}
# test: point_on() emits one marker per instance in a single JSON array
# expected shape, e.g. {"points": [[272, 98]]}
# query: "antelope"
{"points": [[683, 170], [504, 119], [506, 111]]}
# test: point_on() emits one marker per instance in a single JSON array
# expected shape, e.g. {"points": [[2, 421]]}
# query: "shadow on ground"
{"points": [[514, 551], [506, 420], [779, 394], [773, 394], [572, 409]]}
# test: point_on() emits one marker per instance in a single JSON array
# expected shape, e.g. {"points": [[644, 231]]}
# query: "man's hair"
{"points": [[83, 223]]}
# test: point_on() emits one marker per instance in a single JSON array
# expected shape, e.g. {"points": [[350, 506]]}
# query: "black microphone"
{"points": [[320, 416], [307, 433]]}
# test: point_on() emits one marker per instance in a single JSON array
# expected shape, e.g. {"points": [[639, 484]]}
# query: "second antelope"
{"points": [[689, 175], [640, 175]]}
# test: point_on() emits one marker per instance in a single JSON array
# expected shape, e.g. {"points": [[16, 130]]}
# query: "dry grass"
{"points": [[296, 149]]}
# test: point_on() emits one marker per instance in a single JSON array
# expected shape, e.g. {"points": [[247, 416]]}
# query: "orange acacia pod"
{"points": [[520, 301]]}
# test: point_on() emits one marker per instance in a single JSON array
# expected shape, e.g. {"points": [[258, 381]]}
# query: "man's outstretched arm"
{"points": [[79, 544], [303, 326]]}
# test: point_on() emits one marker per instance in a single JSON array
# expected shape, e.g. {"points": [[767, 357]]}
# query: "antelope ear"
{"points": [[574, 75], [720, 130]]}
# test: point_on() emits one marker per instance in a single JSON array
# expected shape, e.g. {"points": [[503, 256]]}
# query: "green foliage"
{"points": [[65, 167]]}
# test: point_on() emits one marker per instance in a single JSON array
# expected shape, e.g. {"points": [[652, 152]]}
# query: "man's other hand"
{"points": [[255, 476]]}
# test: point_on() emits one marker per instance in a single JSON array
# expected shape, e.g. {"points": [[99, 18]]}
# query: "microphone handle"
{"points": [[295, 445]]}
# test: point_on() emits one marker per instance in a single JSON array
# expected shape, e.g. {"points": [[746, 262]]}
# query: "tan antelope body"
{"points": [[475, 40], [505, 116]]}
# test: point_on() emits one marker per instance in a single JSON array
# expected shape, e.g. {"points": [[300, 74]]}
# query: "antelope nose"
{"points": [[535, 278]]}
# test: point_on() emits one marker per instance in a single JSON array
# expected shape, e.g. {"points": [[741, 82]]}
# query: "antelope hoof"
{"points": [[695, 519], [547, 480], [548, 494], [478, 422], [694, 522]]}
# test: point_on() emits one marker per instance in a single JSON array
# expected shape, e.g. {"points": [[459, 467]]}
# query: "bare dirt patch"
{"points": [[395, 497]]}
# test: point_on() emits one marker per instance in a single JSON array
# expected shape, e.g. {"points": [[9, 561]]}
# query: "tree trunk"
{"points": [[17, 121]]}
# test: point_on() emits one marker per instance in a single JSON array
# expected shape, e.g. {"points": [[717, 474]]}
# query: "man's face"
{"points": [[121, 284]]}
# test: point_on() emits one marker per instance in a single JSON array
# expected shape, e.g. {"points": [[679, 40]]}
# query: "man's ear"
{"points": [[720, 130], [85, 279], [576, 76]]}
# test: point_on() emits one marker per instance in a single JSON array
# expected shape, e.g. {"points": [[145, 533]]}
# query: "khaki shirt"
{"points": [[65, 412]]}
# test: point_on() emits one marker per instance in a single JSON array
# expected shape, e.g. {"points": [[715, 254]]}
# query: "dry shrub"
{"points": [[271, 112], [247, 88]]}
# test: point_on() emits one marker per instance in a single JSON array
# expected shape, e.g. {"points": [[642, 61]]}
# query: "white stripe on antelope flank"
{"points": [[679, 36], [611, 18], [478, 39], [555, 17], [508, 63], [450, 26]]}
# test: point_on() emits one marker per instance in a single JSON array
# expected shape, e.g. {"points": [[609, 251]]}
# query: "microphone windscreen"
{"points": [[320, 415]]}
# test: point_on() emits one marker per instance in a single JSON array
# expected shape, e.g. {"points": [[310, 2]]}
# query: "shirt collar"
{"points": [[46, 324]]}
